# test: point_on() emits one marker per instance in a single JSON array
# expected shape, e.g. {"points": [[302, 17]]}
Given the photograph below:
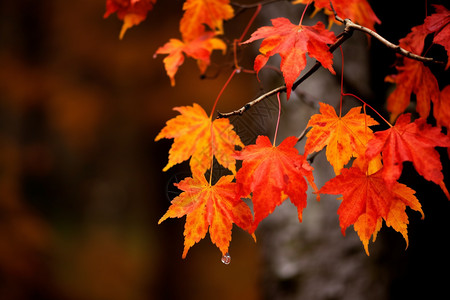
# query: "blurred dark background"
{"points": [[81, 181]]}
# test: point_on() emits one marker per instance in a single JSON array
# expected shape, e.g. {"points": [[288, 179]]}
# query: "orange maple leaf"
{"points": [[367, 200], [412, 77], [199, 13], [272, 174], [439, 24], [397, 218], [206, 206], [199, 49], [345, 137], [359, 11], [413, 142], [132, 12], [292, 42], [197, 137]]}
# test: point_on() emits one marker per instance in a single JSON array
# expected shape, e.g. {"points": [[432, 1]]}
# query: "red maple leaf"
{"points": [[132, 12], [292, 42], [272, 174], [367, 201], [414, 41], [413, 77], [209, 207], [439, 24], [414, 142]]}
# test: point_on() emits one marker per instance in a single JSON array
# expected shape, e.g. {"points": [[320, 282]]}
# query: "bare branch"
{"points": [[302, 135], [351, 25], [247, 106], [348, 23]]}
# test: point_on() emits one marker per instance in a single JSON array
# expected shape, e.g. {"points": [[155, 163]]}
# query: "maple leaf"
{"points": [[196, 135], [209, 207], [345, 137], [359, 11], [414, 41], [439, 24], [132, 12], [397, 218], [199, 49], [414, 142], [412, 77], [199, 13], [366, 200], [292, 42], [272, 174]]}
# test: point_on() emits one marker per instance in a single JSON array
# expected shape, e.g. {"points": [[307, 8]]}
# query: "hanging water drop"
{"points": [[226, 259]]}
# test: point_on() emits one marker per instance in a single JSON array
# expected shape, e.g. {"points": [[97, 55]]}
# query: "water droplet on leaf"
{"points": [[226, 259]]}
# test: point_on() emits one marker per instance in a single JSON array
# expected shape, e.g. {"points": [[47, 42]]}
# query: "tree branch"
{"points": [[247, 106], [350, 25], [346, 34]]}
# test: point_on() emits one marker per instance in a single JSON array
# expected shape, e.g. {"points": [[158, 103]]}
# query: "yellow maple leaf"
{"points": [[209, 207], [199, 13], [197, 137], [199, 49], [345, 137], [397, 218]]}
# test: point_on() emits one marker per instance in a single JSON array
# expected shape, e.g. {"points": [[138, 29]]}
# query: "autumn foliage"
{"points": [[367, 164], [292, 42], [271, 174]]}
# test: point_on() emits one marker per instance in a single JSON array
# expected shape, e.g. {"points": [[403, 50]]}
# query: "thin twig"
{"points": [[396, 48], [349, 24], [251, 103], [302, 135]]}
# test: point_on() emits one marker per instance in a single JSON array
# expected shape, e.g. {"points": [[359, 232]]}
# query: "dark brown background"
{"points": [[81, 186]]}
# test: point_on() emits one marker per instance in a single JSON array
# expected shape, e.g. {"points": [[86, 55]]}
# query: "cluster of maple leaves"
{"points": [[367, 164]]}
